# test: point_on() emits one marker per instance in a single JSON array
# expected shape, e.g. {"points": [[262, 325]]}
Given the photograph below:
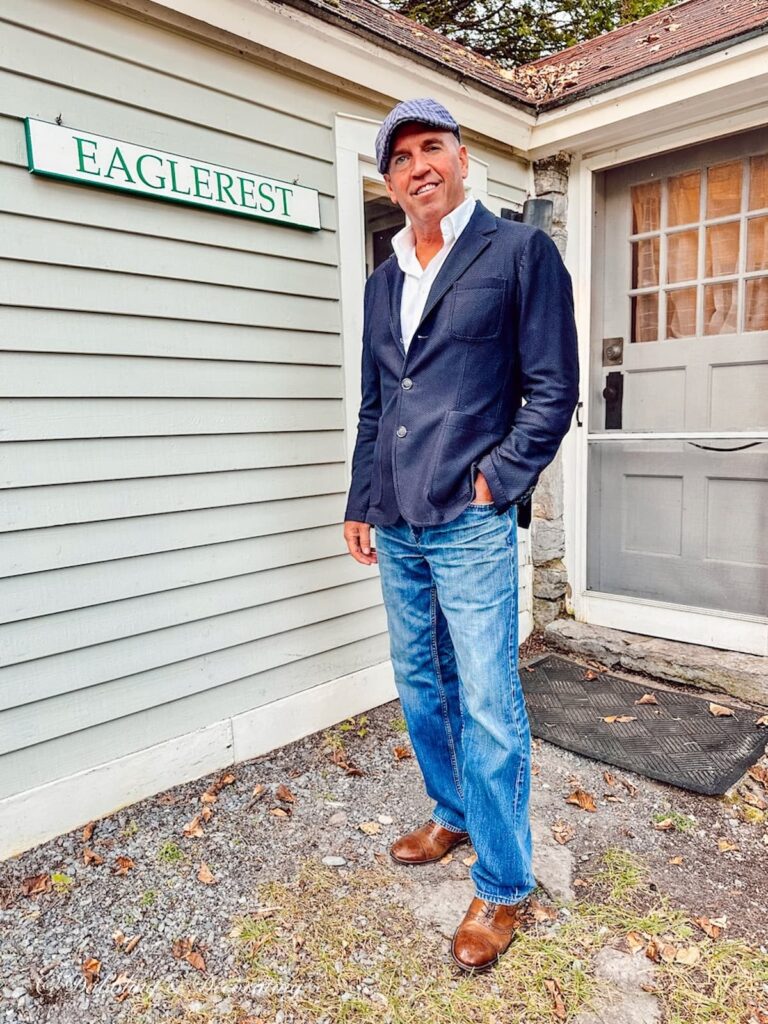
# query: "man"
{"points": [[470, 315]]}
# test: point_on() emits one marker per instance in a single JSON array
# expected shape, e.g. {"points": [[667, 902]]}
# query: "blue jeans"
{"points": [[450, 593]]}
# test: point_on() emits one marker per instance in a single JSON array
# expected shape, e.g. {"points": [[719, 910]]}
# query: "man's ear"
{"points": [[464, 160]]}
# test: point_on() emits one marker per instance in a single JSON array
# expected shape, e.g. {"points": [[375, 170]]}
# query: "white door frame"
{"points": [[728, 631]]}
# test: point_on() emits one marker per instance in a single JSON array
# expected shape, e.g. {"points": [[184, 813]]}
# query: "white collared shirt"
{"points": [[418, 279]]}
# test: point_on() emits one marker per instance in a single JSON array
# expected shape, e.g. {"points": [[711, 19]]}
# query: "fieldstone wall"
{"points": [[550, 579]]}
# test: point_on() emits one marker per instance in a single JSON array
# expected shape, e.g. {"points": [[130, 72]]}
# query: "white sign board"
{"points": [[73, 155]]}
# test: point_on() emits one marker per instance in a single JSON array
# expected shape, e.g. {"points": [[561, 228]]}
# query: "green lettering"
{"points": [[178, 191], [285, 192], [247, 195], [267, 199], [81, 155], [196, 172], [220, 187], [118, 160], [160, 180]]}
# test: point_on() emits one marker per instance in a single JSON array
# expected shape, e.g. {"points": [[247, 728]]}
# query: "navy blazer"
{"points": [[497, 328]]}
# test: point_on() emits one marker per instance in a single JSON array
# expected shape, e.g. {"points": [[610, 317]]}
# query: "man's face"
{"points": [[427, 168]]}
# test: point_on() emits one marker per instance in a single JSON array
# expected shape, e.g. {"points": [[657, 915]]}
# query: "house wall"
{"points": [[173, 457]]}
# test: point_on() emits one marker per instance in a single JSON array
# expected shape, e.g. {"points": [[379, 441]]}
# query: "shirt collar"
{"points": [[451, 226]]}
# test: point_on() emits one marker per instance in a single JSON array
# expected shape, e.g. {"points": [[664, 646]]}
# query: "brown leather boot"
{"points": [[485, 933], [425, 845]]}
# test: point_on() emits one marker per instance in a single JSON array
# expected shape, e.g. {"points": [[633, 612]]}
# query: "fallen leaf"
{"points": [[36, 884], [540, 912], [280, 812], [657, 950], [167, 799], [611, 719], [470, 860], [759, 774], [689, 955], [118, 938], [225, 780], [283, 793], [91, 857], [90, 969], [664, 826], [259, 791], [371, 828], [121, 987], [205, 875], [632, 790], [558, 1005], [719, 711], [635, 941], [194, 829], [581, 883], [647, 698], [206, 814], [563, 832], [725, 845], [610, 779], [535, 768], [611, 799], [446, 859], [123, 865], [713, 928], [196, 960], [181, 948], [753, 799], [589, 675], [401, 753], [762, 720], [582, 799], [131, 944], [208, 797], [675, 860], [88, 831]]}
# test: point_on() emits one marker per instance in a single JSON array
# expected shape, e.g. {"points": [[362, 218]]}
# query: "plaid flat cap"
{"points": [[424, 111]]}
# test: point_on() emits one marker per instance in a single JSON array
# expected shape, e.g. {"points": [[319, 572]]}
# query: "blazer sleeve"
{"points": [[548, 374], [367, 424]]}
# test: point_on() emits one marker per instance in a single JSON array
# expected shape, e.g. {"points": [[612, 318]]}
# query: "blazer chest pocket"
{"points": [[477, 309]]}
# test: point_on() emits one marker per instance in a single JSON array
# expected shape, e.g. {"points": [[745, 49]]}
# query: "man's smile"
{"points": [[430, 186]]}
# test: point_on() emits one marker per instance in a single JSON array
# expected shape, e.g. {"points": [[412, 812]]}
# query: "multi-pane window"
{"points": [[700, 252]]}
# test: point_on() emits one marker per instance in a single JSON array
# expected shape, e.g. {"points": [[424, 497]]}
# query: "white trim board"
{"points": [[30, 818]]}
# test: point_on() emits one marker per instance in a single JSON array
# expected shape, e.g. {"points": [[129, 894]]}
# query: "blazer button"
{"points": [[401, 431], [406, 383]]}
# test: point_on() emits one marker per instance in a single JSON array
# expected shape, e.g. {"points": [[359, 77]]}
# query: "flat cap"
{"points": [[424, 111]]}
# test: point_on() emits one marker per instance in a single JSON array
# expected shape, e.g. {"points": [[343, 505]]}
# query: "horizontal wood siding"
{"points": [[172, 469]]}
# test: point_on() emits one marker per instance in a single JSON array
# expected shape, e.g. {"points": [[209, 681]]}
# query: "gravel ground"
{"points": [[147, 883]]}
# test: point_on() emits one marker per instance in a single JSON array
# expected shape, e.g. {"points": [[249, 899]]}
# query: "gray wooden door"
{"points": [[678, 464]]}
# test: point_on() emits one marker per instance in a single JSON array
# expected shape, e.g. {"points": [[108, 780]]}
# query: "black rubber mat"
{"points": [[677, 740]]}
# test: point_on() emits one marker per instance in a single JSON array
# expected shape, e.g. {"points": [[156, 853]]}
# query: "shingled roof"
{"points": [[671, 36]]}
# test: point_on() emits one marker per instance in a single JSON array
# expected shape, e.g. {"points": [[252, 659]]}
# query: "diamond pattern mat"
{"points": [[677, 740]]}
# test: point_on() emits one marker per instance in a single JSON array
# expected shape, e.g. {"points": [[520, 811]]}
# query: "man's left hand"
{"points": [[482, 491]]}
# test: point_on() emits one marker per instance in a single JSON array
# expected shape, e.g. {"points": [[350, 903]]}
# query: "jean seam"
{"points": [[441, 690], [444, 824], [507, 901], [511, 659]]}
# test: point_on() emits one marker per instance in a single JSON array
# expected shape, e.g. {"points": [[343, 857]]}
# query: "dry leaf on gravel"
{"points": [[657, 950], [689, 955], [610, 779], [36, 884], [725, 845], [121, 987], [123, 865], [612, 719], [208, 797], [558, 1005], [280, 812], [541, 913], [131, 944], [194, 829], [759, 774], [712, 927], [664, 826], [401, 753], [635, 942], [118, 938], [181, 948], [205, 875], [675, 860], [283, 793], [589, 675], [91, 857], [371, 828], [535, 769], [88, 831], [470, 860], [632, 790], [580, 883], [753, 799], [611, 799], [196, 960], [719, 711], [340, 758], [762, 720], [647, 698], [580, 798], [562, 831], [90, 969], [446, 859]]}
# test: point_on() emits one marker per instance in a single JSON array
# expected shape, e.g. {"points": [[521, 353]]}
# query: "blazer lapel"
{"points": [[471, 242]]}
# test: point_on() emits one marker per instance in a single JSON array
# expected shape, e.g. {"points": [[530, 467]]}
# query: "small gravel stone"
{"points": [[384, 819], [334, 862]]}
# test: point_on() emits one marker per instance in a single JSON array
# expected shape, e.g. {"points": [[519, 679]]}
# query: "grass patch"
{"points": [[62, 883], [681, 822], [358, 726], [148, 898], [170, 853], [399, 725]]}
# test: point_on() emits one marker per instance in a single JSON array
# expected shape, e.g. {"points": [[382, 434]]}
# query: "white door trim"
{"points": [[748, 634]]}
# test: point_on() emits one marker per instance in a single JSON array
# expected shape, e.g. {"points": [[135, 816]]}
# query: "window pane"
{"points": [[720, 308], [684, 199], [722, 249], [645, 262], [758, 182], [645, 317], [681, 313], [682, 256], [757, 244], [646, 207], [756, 318], [724, 189]]}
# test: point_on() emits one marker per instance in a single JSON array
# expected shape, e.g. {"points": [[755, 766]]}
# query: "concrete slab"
{"points": [[622, 998]]}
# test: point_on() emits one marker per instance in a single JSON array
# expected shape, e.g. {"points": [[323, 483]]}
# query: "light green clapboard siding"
{"points": [[171, 397], [69, 753]]}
